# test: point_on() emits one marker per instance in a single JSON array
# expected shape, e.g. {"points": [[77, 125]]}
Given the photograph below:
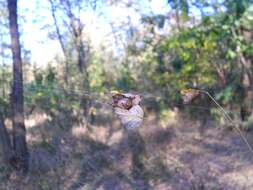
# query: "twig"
{"points": [[226, 115]]}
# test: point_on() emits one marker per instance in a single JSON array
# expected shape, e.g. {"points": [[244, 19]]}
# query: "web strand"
{"points": [[95, 97], [104, 96]]}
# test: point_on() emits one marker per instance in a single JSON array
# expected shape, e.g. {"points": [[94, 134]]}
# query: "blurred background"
{"points": [[74, 52]]}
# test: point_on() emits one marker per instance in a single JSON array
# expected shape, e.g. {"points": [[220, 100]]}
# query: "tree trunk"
{"points": [[5, 141], [246, 79], [76, 28], [17, 99], [60, 39], [247, 95], [247, 88]]}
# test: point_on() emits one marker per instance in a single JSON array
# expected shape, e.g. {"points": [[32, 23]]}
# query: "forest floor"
{"points": [[182, 155]]}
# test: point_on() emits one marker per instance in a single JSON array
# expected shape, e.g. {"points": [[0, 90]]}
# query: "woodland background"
{"points": [[58, 133]]}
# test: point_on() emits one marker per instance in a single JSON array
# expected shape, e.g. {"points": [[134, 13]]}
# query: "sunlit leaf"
{"points": [[189, 94]]}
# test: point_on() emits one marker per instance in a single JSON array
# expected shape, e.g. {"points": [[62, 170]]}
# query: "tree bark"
{"points": [[60, 38], [76, 27], [246, 79], [247, 95], [5, 141], [17, 99]]}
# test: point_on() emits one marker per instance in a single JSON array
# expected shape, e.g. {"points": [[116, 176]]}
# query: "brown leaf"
{"points": [[189, 95], [125, 101]]}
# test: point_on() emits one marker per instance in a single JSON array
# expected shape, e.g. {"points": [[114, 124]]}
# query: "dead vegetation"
{"points": [[182, 155]]}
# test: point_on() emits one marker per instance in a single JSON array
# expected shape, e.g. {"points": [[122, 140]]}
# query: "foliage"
{"points": [[46, 94], [96, 75], [203, 50], [194, 44]]}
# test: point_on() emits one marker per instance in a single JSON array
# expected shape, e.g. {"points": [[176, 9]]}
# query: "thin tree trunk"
{"points": [[247, 95], [246, 80], [76, 27], [59, 36], [2, 59], [178, 22], [17, 99]]}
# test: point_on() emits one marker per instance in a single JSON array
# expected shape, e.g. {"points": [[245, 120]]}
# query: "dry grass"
{"points": [[181, 155]]}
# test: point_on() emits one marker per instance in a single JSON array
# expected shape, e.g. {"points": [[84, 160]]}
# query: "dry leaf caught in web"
{"points": [[126, 101], [189, 95], [121, 101], [127, 107]]}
